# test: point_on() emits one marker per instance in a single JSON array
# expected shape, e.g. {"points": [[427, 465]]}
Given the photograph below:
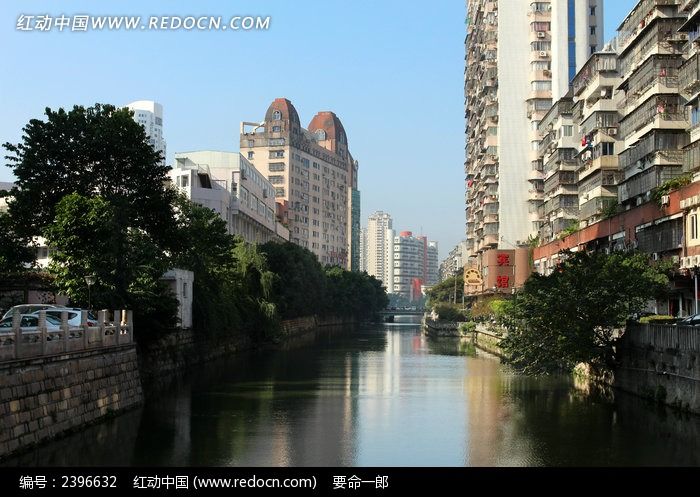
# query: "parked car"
{"points": [[30, 322], [28, 309], [73, 315], [693, 320]]}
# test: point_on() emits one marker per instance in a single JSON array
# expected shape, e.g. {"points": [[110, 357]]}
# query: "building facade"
{"points": [[313, 174], [379, 226], [433, 266], [407, 269], [150, 115], [454, 261], [228, 184], [517, 59]]}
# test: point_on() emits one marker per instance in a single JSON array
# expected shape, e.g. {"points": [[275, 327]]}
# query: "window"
{"points": [[593, 49], [276, 180], [593, 10], [276, 154], [184, 181], [567, 131], [184, 289], [540, 46], [279, 191], [276, 167], [276, 142], [607, 148], [277, 115], [540, 26], [251, 143], [277, 129], [694, 227], [592, 30], [541, 85], [251, 155], [320, 134]]}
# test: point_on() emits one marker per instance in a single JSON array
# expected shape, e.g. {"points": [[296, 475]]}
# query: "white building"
{"points": [[378, 225], [228, 184], [407, 272], [518, 58], [363, 249], [433, 267], [150, 115]]}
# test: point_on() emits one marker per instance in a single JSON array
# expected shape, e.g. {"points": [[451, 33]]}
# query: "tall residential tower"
{"points": [[518, 60]]}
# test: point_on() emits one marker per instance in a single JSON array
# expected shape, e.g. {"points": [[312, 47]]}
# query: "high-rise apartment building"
{"points": [[314, 176], [379, 225], [653, 120], [689, 82], [408, 265], [518, 58], [433, 265], [363, 250], [150, 115]]}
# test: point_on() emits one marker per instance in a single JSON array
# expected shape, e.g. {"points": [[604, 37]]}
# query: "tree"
{"points": [[100, 151], [447, 290], [568, 317], [15, 252], [86, 240]]}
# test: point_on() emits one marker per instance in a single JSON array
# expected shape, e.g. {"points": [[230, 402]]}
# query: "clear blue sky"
{"points": [[392, 71]]}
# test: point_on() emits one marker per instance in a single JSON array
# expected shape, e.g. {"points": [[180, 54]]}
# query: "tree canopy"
{"points": [[569, 316]]}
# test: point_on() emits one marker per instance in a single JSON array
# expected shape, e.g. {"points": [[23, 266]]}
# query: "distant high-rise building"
{"points": [[314, 176], [433, 268], [520, 55], [378, 239], [150, 115], [408, 270], [363, 249]]}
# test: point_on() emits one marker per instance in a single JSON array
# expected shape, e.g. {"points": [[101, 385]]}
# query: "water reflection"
{"points": [[380, 395]]}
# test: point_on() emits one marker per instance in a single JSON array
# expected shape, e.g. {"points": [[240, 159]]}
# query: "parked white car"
{"points": [[28, 309], [73, 316], [30, 322]]}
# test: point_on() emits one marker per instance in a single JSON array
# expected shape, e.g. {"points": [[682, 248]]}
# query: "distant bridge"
{"points": [[402, 312]]}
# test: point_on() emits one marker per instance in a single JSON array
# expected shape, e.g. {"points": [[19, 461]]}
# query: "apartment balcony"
{"points": [[561, 205], [490, 199], [603, 162], [562, 159], [600, 119], [535, 195], [605, 63], [641, 20], [540, 55], [595, 207], [691, 154], [643, 183], [658, 74], [660, 112], [663, 237], [562, 179], [689, 77], [664, 142]]}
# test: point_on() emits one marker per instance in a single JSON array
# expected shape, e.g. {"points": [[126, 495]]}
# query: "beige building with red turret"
{"points": [[314, 177]]}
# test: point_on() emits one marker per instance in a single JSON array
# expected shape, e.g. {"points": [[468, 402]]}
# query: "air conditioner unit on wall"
{"points": [[541, 34], [543, 53], [665, 200]]}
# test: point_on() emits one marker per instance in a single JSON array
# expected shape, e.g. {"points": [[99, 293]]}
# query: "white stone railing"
{"points": [[16, 343]]}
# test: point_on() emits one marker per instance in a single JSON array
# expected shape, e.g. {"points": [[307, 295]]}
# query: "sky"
{"points": [[391, 70]]}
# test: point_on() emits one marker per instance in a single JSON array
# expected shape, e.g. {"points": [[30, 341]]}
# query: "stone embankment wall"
{"points": [[180, 350], [661, 362], [486, 339], [45, 397]]}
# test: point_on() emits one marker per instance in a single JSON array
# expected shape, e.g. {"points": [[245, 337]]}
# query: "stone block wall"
{"points": [[661, 362], [45, 397]]}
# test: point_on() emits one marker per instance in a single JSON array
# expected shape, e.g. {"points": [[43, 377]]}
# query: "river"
{"points": [[379, 396]]}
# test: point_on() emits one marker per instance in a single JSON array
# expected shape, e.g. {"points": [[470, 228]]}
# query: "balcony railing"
{"points": [[646, 181], [599, 120], [562, 178], [691, 157], [662, 237], [596, 206], [667, 108], [664, 34], [561, 156], [652, 143], [598, 63], [689, 77], [639, 18]]}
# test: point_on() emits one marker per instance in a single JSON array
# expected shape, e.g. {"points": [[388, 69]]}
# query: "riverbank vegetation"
{"points": [[571, 315], [89, 182]]}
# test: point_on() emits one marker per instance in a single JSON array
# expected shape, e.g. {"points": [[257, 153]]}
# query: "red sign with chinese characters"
{"points": [[503, 259], [503, 282]]}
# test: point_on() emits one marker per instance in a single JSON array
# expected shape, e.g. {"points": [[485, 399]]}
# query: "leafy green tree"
{"points": [[300, 285], [445, 291], [94, 151], [568, 317], [86, 241], [15, 252]]}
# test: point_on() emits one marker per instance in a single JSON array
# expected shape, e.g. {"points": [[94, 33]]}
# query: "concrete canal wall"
{"points": [[661, 362]]}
